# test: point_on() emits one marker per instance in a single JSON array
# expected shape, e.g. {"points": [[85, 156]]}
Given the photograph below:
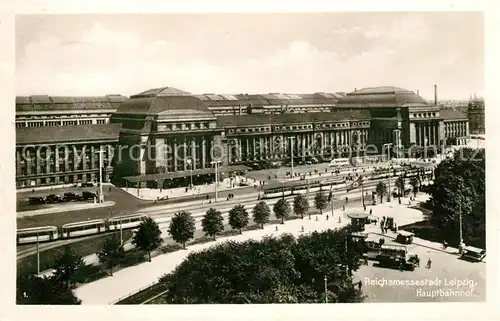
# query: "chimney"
{"points": [[435, 95], [418, 93]]}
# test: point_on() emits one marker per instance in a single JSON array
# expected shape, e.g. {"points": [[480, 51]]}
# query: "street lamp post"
{"points": [[388, 145], [291, 156], [326, 290], [37, 254], [190, 163], [397, 135], [101, 196], [216, 165]]}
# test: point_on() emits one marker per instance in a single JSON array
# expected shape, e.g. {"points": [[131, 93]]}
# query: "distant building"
{"points": [[475, 113], [57, 139]]}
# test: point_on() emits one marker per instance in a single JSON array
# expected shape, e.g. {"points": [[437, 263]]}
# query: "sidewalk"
{"points": [[64, 208], [152, 194], [127, 281]]}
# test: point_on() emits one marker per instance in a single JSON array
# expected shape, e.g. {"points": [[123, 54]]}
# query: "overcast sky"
{"points": [[85, 55]]}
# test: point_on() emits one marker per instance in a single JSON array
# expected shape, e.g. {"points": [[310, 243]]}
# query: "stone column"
{"points": [[254, 144], [203, 153], [29, 161], [92, 157], [37, 161], [240, 153], [176, 154], [18, 162], [184, 154], [247, 148], [193, 153], [303, 137], [84, 157]]}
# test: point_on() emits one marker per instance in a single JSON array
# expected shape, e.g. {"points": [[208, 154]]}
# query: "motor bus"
{"points": [[340, 162]]}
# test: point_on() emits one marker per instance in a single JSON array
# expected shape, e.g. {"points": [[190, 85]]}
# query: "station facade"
{"points": [[167, 133]]}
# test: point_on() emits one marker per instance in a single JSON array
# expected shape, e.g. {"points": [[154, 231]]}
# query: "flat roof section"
{"points": [[66, 134]]}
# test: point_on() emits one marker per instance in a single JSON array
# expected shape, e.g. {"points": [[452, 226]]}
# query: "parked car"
{"points": [[53, 198], [88, 184], [36, 200], [69, 196], [86, 195]]}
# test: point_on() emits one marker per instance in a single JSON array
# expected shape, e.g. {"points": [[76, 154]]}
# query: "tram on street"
{"points": [[34, 234]]}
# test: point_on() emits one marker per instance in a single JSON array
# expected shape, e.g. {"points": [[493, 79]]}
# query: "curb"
{"points": [[419, 244], [52, 210]]}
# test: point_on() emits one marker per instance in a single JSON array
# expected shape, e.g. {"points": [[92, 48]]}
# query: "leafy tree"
{"points": [[33, 289], [273, 270], [148, 236], [320, 201], [282, 210], [459, 189], [182, 227], [261, 213], [238, 217], [414, 184], [212, 222], [400, 185], [381, 190], [112, 253], [300, 205], [67, 266]]}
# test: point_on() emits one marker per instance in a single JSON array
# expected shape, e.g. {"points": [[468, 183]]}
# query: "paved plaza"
{"points": [[446, 267]]}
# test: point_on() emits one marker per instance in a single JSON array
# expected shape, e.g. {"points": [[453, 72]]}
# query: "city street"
{"points": [[124, 204], [445, 269]]}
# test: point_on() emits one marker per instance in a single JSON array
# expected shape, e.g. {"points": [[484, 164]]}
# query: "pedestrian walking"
{"points": [[327, 217], [346, 199], [399, 200], [445, 244], [340, 220], [276, 228], [302, 228], [316, 218], [371, 211], [364, 208], [359, 285], [429, 263], [343, 207]]}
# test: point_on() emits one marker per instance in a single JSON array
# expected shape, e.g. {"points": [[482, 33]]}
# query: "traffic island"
{"points": [[64, 208]]}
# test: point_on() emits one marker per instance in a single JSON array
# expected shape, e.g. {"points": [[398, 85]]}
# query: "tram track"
{"points": [[162, 214]]}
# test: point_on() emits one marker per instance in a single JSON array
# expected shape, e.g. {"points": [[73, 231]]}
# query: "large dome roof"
{"points": [[384, 96], [163, 91]]}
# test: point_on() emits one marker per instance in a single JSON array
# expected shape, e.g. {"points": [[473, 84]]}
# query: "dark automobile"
{"points": [[69, 196], [36, 200], [88, 195], [53, 198], [88, 184]]}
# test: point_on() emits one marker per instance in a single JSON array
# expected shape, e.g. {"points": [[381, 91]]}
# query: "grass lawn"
{"points": [[59, 219], [156, 289], [85, 247]]}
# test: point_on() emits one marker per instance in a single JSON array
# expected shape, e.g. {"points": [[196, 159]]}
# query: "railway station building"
{"points": [[165, 133]]}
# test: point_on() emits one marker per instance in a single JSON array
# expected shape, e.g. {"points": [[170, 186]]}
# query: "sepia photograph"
{"points": [[250, 158]]}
